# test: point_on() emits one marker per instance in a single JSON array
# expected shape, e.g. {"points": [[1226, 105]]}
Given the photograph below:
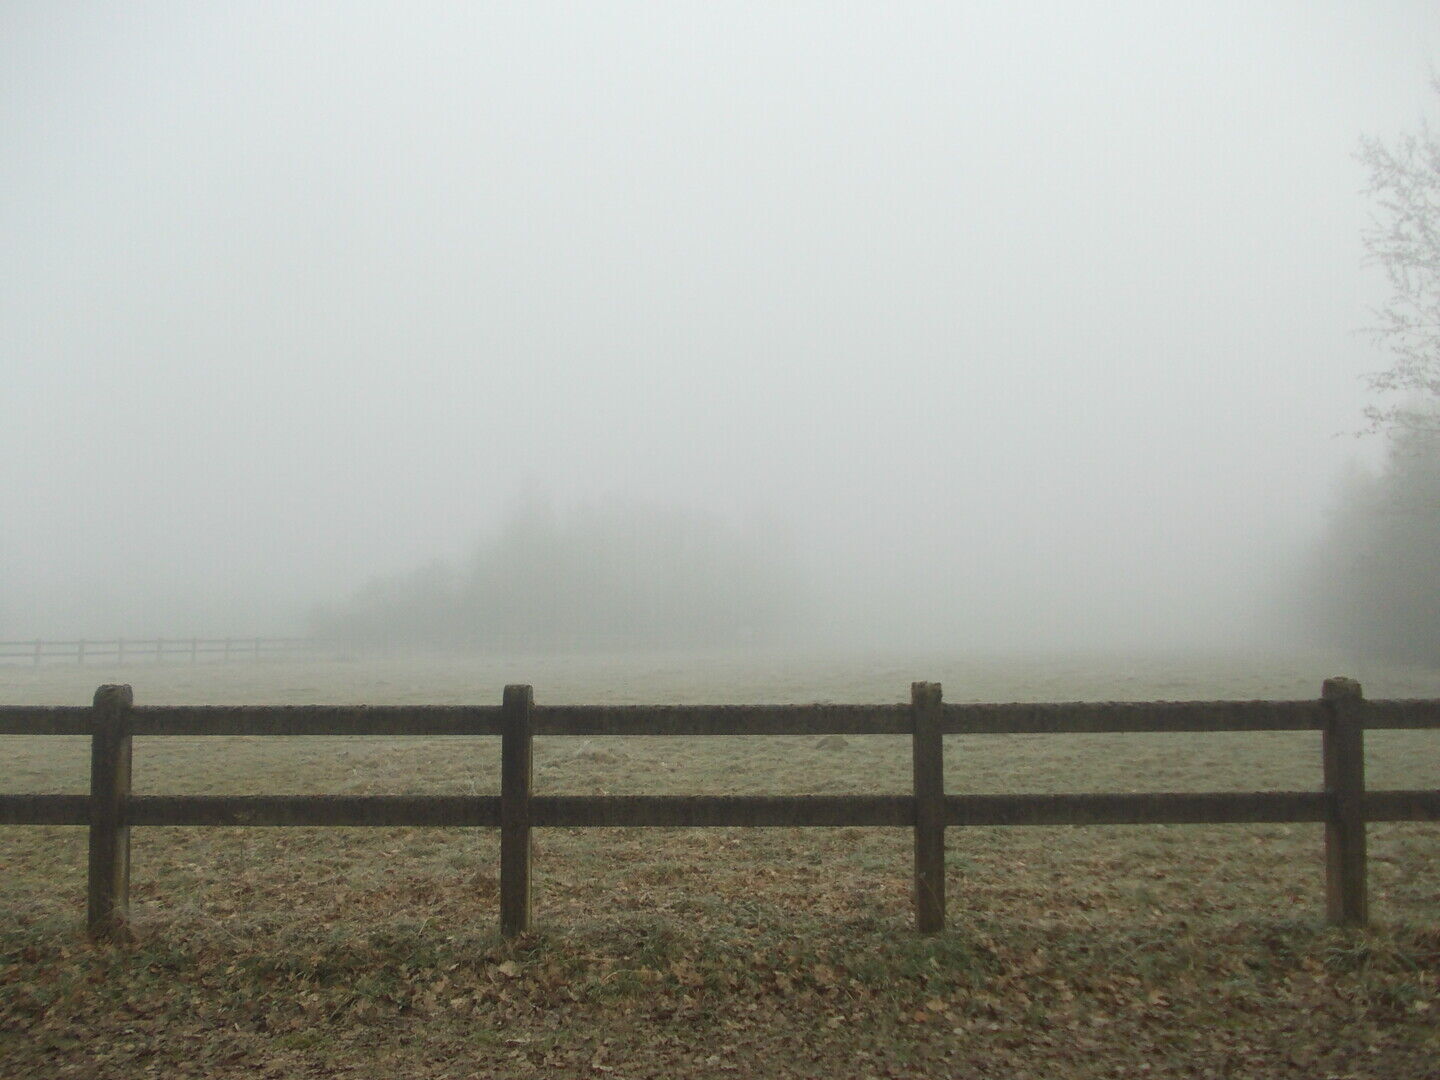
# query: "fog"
{"points": [[1372, 586], [985, 326]]}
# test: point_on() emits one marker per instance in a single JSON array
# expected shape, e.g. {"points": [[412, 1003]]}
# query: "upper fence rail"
{"points": [[1072, 718]]}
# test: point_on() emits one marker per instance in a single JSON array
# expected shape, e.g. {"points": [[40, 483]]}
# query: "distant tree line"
{"points": [[1374, 583], [611, 574]]}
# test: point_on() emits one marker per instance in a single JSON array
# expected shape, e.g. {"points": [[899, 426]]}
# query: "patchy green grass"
{"points": [[1076, 952]]}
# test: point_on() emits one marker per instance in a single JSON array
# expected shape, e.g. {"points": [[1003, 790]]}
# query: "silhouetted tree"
{"points": [[1404, 240], [1376, 575], [612, 574], [1376, 578]]}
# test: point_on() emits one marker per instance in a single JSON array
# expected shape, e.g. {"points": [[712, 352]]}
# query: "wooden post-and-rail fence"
{"points": [[171, 650], [1343, 804]]}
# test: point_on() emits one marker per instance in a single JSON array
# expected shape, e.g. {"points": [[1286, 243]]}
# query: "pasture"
{"points": [[1099, 951]]}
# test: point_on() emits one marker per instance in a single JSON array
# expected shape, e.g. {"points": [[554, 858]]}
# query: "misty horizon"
{"points": [[1005, 327]]}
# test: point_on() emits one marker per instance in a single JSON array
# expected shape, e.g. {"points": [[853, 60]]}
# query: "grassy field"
{"points": [[1125, 951]]}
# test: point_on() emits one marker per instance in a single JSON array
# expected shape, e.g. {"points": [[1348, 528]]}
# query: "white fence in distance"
{"points": [[158, 650]]}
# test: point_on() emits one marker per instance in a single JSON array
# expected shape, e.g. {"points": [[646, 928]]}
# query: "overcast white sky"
{"points": [[1037, 321]]}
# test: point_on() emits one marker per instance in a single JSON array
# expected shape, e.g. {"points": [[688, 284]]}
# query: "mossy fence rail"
{"points": [[1343, 805]]}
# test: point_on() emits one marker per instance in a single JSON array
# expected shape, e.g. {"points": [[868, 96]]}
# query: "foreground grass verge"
{"points": [[651, 997], [723, 952]]}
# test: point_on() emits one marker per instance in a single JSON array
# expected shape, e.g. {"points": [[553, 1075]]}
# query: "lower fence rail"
{"points": [[731, 811], [110, 810]]}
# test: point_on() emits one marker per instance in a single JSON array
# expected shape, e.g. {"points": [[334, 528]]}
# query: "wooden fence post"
{"points": [[107, 908], [1346, 903], [515, 777], [927, 748]]}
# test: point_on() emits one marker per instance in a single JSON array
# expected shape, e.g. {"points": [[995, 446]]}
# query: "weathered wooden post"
{"points": [[516, 771], [108, 905], [927, 748], [1346, 903]]}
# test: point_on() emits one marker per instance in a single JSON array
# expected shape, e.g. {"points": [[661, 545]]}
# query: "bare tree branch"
{"points": [[1403, 239]]}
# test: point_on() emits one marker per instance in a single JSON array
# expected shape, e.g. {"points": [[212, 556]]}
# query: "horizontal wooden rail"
{"points": [[722, 720], [1131, 716], [392, 720], [46, 720], [1080, 718], [1343, 806], [44, 809], [690, 811], [1401, 715], [1402, 805], [698, 811], [315, 810], [1140, 808]]}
